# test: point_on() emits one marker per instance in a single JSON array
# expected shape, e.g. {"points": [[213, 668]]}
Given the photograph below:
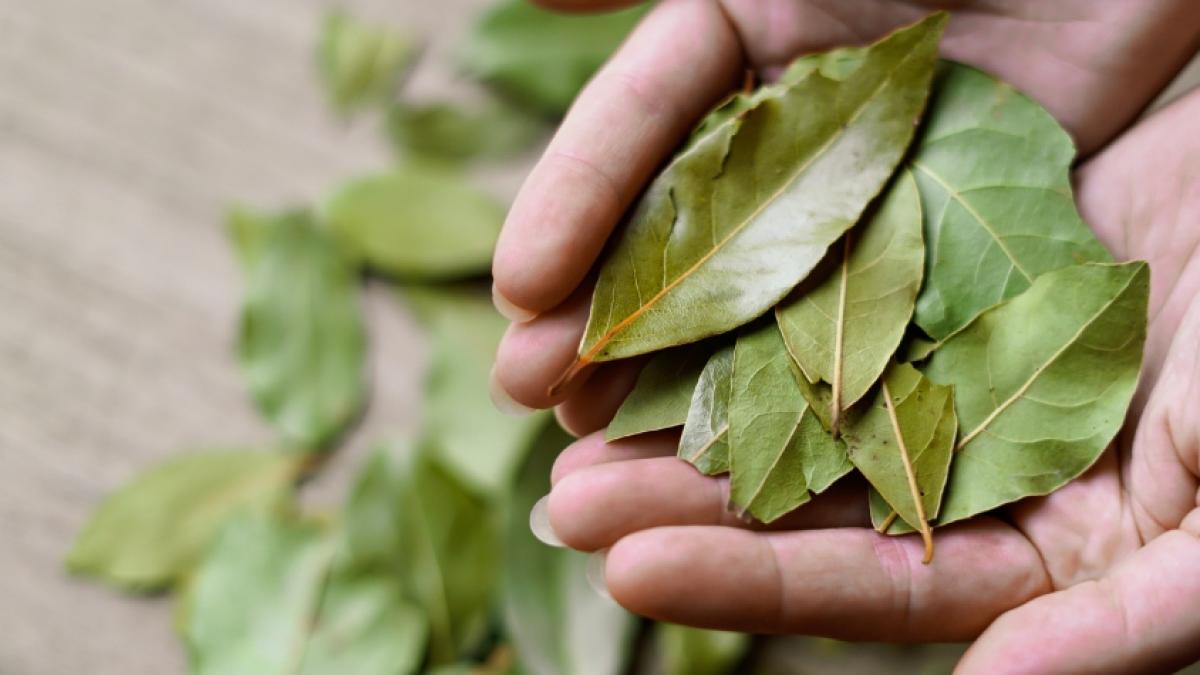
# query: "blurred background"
{"points": [[127, 128]]}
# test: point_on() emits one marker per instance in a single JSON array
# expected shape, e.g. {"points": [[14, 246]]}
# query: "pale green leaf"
{"points": [[776, 443], [738, 218], [417, 222], [453, 133], [993, 169], [540, 57], [684, 650], [269, 601], [663, 393], [910, 435], [1042, 383], [301, 342], [150, 532], [705, 439], [558, 624], [361, 64], [844, 329]]}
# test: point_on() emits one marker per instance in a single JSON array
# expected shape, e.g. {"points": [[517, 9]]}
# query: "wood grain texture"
{"points": [[125, 129]]}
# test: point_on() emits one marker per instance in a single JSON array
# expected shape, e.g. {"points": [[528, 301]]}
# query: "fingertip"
{"points": [[508, 309], [533, 355], [502, 400]]}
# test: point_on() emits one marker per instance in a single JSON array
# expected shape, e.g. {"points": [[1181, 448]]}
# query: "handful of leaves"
{"points": [[874, 263]]}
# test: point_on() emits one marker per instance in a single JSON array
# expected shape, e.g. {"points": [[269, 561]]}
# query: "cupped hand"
{"points": [[1101, 576]]}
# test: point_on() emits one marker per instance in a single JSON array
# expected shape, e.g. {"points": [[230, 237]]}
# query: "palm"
{"points": [[1101, 575]]}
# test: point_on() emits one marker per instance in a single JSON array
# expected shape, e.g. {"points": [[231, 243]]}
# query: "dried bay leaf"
{"points": [[778, 450], [448, 132], [557, 623], [1037, 406], [663, 393], [740, 216], [151, 532], [993, 169], [540, 57], [704, 442], [903, 444], [419, 222], [844, 330], [361, 64], [301, 340]]}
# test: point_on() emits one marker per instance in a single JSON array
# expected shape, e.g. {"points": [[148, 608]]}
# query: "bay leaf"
{"points": [[447, 132], [739, 217], [663, 393], [778, 450], [704, 442], [844, 330], [903, 444], [420, 222], [360, 63], [301, 340], [558, 624], [436, 536], [1042, 383], [684, 650], [268, 600], [152, 531], [993, 168], [540, 57], [465, 331]]}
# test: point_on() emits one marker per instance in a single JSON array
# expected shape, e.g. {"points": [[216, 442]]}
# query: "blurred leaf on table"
{"points": [[151, 532], [301, 341], [418, 222], [543, 58], [558, 623], [683, 650], [361, 64], [449, 132]]}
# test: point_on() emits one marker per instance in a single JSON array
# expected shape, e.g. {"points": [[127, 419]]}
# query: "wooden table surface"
{"points": [[126, 127]]}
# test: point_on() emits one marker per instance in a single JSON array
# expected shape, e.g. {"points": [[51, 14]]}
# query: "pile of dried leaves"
{"points": [[875, 264]]}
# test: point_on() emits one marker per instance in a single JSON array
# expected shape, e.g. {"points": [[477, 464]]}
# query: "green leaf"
{"points": [[705, 439], [738, 218], [301, 342], [558, 624], [447, 132], [778, 450], [268, 601], [249, 231], [844, 329], [465, 330], [417, 222], [435, 536], [993, 169], [543, 58], [150, 533], [662, 394], [903, 443], [694, 651], [1037, 407], [360, 64]]}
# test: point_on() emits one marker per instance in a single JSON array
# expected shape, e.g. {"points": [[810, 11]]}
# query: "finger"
{"points": [[637, 108], [594, 507], [534, 354], [596, 401], [592, 450], [1142, 618], [847, 583]]}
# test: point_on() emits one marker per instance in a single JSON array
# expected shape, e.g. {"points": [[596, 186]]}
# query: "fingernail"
{"points": [[508, 310], [595, 573], [539, 523], [502, 401]]}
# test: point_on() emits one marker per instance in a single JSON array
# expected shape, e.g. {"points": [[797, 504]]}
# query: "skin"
{"points": [[1101, 576]]}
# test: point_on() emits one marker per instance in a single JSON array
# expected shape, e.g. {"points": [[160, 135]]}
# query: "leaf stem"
{"points": [[926, 534], [835, 415], [887, 523]]}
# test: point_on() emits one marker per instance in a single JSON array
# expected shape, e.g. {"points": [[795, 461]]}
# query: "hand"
{"points": [[1103, 575]]}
